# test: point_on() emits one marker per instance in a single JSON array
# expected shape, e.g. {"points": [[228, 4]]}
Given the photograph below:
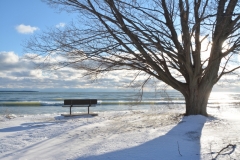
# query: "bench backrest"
{"points": [[80, 101]]}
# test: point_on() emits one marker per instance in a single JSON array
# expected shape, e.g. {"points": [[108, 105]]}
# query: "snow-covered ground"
{"points": [[145, 134]]}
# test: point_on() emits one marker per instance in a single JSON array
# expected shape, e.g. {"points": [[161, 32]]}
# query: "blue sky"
{"points": [[21, 19], [27, 13]]}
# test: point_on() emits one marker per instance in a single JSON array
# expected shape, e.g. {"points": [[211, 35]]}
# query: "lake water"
{"points": [[25, 103]]}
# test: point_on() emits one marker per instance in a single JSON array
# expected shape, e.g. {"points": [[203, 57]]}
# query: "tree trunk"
{"points": [[197, 100]]}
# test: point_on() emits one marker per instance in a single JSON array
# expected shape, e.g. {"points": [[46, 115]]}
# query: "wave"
{"points": [[30, 103], [102, 102], [138, 102], [22, 103]]}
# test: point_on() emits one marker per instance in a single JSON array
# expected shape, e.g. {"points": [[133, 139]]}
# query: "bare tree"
{"points": [[188, 45]]}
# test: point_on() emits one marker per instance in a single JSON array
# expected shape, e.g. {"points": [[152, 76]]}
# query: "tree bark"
{"points": [[197, 100]]}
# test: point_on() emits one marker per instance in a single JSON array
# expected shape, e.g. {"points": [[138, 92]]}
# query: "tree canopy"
{"points": [[188, 45]]}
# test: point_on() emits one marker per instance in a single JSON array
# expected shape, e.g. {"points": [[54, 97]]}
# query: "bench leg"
{"points": [[70, 110]]}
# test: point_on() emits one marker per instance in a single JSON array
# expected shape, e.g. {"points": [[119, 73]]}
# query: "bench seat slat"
{"points": [[79, 101], [66, 105], [79, 105]]}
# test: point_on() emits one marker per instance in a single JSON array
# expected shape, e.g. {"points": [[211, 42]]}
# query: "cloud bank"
{"points": [[18, 73]]}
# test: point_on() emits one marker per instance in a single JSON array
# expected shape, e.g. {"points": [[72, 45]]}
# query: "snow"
{"points": [[132, 134]]}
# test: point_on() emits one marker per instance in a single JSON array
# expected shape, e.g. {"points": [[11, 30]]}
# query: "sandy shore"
{"points": [[145, 134]]}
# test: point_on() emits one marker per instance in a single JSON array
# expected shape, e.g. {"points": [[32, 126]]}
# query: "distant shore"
{"points": [[19, 91]]}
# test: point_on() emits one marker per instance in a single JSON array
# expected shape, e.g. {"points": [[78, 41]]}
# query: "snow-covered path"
{"points": [[121, 135]]}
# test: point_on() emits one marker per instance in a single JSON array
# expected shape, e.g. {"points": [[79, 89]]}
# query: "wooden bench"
{"points": [[79, 103]]}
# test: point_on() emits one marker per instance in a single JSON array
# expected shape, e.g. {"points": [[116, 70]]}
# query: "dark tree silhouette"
{"points": [[189, 45]]}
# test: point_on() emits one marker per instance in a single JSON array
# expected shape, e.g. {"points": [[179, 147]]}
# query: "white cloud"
{"points": [[60, 25], [11, 64], [8, 57], [25, 29]]}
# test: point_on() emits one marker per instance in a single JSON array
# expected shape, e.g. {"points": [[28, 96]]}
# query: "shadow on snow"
{"points": [[181, 142]]}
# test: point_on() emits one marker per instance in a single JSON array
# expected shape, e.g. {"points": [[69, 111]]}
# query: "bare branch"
{"points": [[181, 43]]}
